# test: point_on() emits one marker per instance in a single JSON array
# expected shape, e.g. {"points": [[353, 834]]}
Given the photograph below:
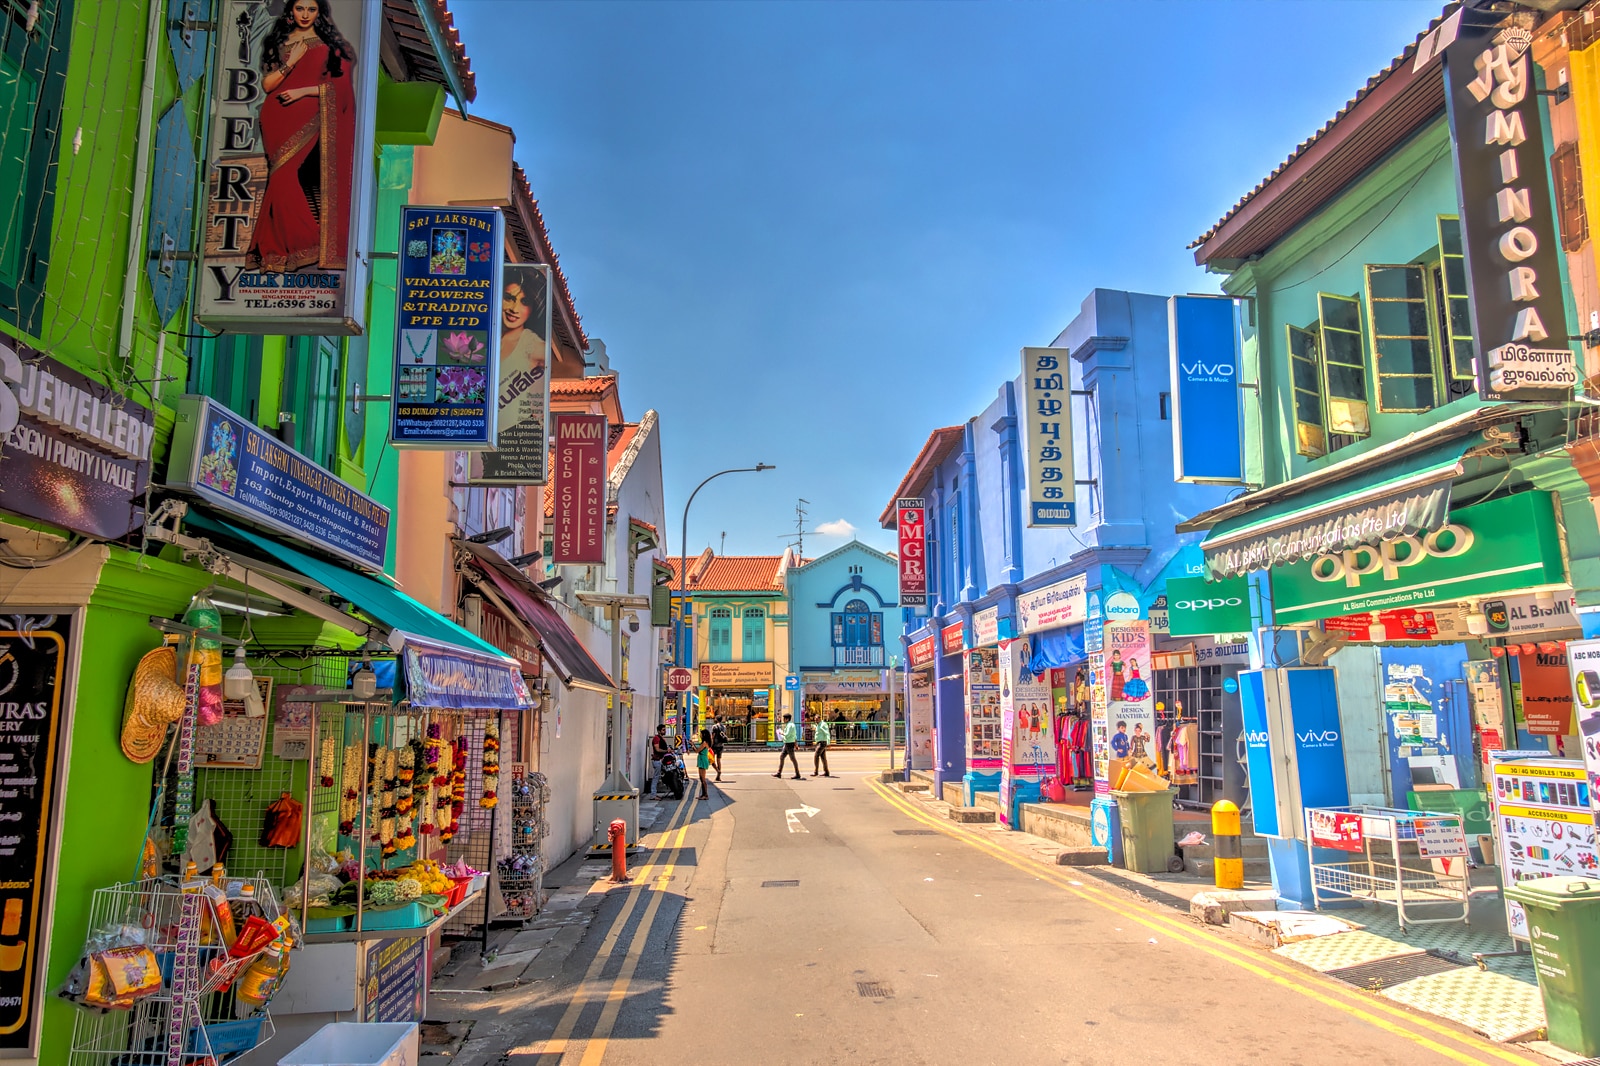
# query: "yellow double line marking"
{"points": [[561, 1041], [1372, 1010]]}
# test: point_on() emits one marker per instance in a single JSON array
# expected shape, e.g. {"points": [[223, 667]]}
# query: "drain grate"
{"points": [[916, 832], [844, 788], [1386, 972], [780, 884], [1585, 1062], [874, 990]]}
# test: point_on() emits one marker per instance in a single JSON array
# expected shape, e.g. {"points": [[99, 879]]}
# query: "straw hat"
{"points": [[155, 700]]}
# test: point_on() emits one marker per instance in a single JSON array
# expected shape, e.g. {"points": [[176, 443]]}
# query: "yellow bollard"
{"points": [[1227, 853]]}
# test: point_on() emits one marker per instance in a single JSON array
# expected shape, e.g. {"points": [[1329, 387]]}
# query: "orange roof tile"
{"points": [[940, 443], [590, 386], [731, 573], [621, 436]]}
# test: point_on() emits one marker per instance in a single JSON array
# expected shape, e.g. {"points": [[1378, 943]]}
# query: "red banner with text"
{"points": [[912, 524]]}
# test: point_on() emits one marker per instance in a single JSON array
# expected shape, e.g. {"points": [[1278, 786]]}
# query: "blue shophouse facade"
{"points": [[983, 559], [845, 627]]}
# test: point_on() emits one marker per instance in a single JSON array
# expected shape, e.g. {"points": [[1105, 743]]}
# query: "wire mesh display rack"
{"points": [[521, 874], [1398, 875], [194, 1018]]}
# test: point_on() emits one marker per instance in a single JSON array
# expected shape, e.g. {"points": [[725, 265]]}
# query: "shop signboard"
{"points": [[1131, 703], [1094, 623], [922, 652], [447, 338], [986, 627], [1340, 830], [1047, 412], [1440, 838], [951, 639], [1544, 822], [1160, 615], [453, 677], [521, 435], [911, 530], [1546, 692], [1507, 544], [1197, 607], [396, 985], [33, 676], [289, 171], [234, 466], [1583, 660], [75, 453], [1508, 230], [1207, 434], [1063, 604], [919, 714], [736, 675], [580, 496], [982, 675]]}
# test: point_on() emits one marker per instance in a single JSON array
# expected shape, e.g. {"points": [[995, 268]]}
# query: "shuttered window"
{"points": [[1402, 337], [754, 648], [1344, 369], [719, 635], [1566, 174], [311, 395], [1305, 372], [228, 369], [1455, 302]]}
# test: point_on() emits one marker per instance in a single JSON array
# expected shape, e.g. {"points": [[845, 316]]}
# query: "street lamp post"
{"points": [[679, 656]]}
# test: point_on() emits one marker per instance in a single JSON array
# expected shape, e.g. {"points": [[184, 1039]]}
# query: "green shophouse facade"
{"points": [[102, 104]]}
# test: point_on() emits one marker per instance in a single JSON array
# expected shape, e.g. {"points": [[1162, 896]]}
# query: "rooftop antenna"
{"points": [[723, 549], [797, 539]]}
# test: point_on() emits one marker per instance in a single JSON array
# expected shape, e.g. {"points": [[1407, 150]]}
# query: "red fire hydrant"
{"points": [[619, 850]]}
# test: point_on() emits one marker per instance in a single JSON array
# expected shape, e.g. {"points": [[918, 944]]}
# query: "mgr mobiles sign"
{"points": [[912, 525], [580, 488]]}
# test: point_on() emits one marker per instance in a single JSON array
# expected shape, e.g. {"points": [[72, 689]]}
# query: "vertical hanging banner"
{"points": [[911, 524], [1207, 434], [289, 168], [1047, 414], [1508, 232], [580, 462], [447, 339], [521, 444]]}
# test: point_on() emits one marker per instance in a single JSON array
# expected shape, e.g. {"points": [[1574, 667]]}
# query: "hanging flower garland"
{"points": [[405, 807], [430, 768], [442, 793], [350, 800], [458, 784], [325, 761], [387, 800], [491, 765]]}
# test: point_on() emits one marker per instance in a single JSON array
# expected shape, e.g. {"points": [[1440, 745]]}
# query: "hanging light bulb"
{"points": [[238, 682], [364, 683]]}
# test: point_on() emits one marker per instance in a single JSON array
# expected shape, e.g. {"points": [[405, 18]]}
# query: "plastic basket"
{"points": [[406, 916], [328, 925], [457, 893], [228, 1038]]}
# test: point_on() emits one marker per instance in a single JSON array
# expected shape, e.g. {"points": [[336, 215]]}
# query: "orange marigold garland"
{"points": [[491, 765]]}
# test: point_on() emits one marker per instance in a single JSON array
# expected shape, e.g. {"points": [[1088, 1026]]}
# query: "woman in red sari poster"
{"points": [[308, 130]]}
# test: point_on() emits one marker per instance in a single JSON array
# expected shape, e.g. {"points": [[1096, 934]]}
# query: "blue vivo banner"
{"points": [[1258, 752], [447, 334], [1207, 444], [227, 461], [1294, 748], [1318, 740]]}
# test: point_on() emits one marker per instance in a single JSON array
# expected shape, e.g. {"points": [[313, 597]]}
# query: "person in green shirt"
{"points": [[823, 736], [789, 736]]}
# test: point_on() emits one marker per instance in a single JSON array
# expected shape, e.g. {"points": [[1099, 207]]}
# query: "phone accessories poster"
{"points": [[1544, 824], [1583, 660]]}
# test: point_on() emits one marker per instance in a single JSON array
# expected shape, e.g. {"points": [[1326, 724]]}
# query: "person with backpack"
{"points": [[719, 741]]}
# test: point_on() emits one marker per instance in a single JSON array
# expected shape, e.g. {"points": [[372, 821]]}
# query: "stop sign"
{"points": [[680, 680]]}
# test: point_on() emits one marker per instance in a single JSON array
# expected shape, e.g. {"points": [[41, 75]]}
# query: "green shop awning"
{"points": [[1379, 500], [444, 665]]}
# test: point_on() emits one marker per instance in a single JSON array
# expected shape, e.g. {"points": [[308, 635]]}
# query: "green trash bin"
{"points": [[1147, 831], [1564, 929]]}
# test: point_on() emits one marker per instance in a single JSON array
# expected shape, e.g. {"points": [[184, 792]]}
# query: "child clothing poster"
{"points": [[1027, 734], [1131, 706]]}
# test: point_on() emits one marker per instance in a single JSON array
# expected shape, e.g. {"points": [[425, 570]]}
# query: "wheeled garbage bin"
{"points": [[1564, 930], [1146, 830]]}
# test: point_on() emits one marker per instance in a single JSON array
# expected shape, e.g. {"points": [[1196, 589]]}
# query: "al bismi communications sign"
{"points": [[1508, 232], [289, 168], [1047, 414]]}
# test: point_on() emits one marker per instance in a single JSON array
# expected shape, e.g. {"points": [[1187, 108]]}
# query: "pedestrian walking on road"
{"points": [[820, 758], [702, 759], [719, 741], [790, 736]]}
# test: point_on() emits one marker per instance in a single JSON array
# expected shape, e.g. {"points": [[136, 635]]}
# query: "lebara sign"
{"points": [[1507, 226], [1499, 546], [1206, 434]]}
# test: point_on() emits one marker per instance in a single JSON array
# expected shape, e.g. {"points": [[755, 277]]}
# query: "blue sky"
{"points": [[811, 233]]}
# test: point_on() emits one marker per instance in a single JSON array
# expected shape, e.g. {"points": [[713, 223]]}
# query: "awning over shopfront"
{"points": [[444, 664], [562, 648], [1378, 501], [1055, 647]]}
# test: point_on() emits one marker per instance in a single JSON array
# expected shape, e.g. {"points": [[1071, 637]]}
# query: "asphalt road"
{"points": [[867, 932]]}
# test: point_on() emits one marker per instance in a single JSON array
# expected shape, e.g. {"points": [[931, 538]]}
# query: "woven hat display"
{"points": [[155, 700]]}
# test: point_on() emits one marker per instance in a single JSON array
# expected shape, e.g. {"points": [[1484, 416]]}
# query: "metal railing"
{"points": [[863, 656]]}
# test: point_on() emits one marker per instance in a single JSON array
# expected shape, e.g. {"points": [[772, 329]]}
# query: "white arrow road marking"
{"points": [[792, 816]]}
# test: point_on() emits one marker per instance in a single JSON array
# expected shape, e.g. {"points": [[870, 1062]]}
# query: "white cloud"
{"points": [[837, 528]]}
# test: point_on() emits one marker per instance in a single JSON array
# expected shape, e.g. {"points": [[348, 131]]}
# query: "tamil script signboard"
{"points": [[1047, 414], [1063, 604]]}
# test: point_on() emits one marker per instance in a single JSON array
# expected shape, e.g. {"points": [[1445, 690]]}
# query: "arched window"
{"points": [[857, 635], [755, 635], [720, 635]]}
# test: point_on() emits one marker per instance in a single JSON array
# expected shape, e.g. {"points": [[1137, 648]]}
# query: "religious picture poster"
{"points": [[1130, 703], [983, 710], [448, 318], [288, 171], [921, 719], [1583, 661], [521, 439]]}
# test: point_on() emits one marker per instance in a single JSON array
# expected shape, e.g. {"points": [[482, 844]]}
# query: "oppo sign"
{"points": [[1391, 556], [1209, 605]]}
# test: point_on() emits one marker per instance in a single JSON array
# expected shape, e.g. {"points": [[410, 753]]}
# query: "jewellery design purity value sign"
{"points": [[1507, 226], [447, 335], [911, 523], [521, 445], [580, 461], [288, 170], [1047, 413]]}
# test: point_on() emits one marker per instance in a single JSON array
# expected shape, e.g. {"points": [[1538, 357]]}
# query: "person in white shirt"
{"points": [[823, 736], [789, 735]]}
